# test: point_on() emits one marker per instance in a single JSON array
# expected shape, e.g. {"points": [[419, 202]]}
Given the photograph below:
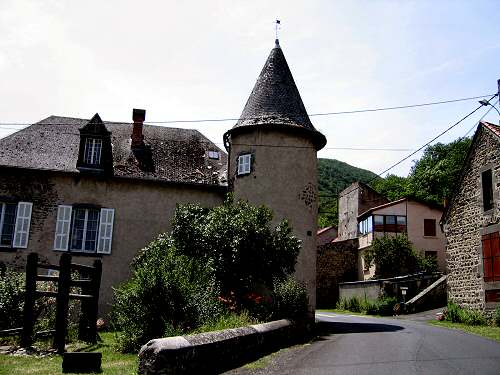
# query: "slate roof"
{"points": [[275, 100], [179, 155]]}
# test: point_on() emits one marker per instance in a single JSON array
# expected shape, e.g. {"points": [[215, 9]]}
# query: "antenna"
{"points": [[276, 30]]}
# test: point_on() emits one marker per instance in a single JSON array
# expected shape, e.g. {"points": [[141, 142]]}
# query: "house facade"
{"points": [[104, 190], [471, 224], [66, 190], [418, 220]]}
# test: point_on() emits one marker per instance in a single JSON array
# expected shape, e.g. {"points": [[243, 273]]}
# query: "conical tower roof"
{"points": [[275, 101]]}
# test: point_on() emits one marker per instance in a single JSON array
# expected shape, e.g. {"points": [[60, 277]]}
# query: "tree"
{"points": [[395, 256], [432, 177], [239, 242]]}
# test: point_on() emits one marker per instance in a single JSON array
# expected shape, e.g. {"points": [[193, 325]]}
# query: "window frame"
{"points": [[20, 223], [214, 154], [65, 229], [244, 164], [94, 150]]}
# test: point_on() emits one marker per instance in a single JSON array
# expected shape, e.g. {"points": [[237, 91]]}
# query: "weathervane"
{"points": [[276, 29]]}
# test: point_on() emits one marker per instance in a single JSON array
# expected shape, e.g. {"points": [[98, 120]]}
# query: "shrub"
{"points": [[168, 294], [473, 317], [497, 316], [290, 298], [11, 299], [453, 313], [385, 305]]}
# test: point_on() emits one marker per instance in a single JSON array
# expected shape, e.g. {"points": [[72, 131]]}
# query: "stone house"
{"points": [[471, 224], [104, 189], [326, 235], [418, 220]]}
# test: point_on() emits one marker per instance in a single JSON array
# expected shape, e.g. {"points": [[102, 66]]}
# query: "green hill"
{"points": [[333, 177]]}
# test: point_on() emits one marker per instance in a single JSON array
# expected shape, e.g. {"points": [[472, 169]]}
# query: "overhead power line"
{"points": [[378, 109], [379, 175]]}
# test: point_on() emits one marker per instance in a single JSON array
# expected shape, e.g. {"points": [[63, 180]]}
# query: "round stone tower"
{"points": [[272, 159]]}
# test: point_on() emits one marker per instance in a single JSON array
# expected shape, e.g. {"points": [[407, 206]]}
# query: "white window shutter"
{"points": [[105, 230], [63, 226], [23, 221]]}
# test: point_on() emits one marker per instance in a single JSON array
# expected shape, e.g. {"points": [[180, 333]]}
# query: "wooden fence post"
{"points": [[83, 324], [29, 300], [63, 288], [94, 305]]}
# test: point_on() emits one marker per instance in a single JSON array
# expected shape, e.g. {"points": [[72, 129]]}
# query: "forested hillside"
{"points": [[333, 177]]}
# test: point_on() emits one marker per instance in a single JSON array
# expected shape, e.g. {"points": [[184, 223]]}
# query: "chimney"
{"points": [[138, 116]]}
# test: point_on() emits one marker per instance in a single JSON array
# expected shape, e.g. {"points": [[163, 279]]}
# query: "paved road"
{"points": [[363, 345]]}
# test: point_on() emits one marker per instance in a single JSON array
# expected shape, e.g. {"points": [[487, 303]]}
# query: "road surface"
{"points": [[363, 345]]}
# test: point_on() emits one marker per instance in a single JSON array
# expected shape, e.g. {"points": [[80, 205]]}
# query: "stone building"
{"points": [[272, 158], [471, 224], [104, 189], [353, 201]]}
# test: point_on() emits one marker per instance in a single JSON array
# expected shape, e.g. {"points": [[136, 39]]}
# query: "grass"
{"points": [[338, 311], [485, 331], [225, 322], [113, 362]]}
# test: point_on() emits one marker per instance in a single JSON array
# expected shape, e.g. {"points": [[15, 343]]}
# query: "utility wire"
{"points": [[260, 117], [379, 175]]}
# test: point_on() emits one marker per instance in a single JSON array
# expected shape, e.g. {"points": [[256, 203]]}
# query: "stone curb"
{"points": [[215, 352]]}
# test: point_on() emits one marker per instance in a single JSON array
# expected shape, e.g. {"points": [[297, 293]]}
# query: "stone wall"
{"points": [[465, 222], [336, 263], [353, 201]]}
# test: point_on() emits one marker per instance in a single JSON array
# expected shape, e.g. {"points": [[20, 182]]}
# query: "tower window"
{"points": [[92, 155], [244, 164]]}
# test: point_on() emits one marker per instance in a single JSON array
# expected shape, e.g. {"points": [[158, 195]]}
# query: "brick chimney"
{"points": [[138, 116]]}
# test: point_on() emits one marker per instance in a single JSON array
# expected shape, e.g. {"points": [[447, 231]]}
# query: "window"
{"points": [[378, 223], [390, 224], [487, 185], [491, 257], [213, 155], [82, 229], [15, 219], [92, 153], [429, 227], [244, 163], [401, 224], [366, 226]]}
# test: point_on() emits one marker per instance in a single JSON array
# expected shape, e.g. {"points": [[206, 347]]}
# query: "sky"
{"points": [[189, 60]]}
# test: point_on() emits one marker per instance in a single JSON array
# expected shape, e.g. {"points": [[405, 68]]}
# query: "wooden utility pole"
{"points": [[29, 300]]}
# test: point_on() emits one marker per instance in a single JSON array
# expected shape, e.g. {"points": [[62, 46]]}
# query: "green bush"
{"points": [[457, 314], [497, 316], [453, 313], [11, 299], [385, 305], [290, 299], [167, 295]]}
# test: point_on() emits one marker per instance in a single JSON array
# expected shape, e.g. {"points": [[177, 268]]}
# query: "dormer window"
{"points": [[244, 164], [93, 147], [95, 155]]}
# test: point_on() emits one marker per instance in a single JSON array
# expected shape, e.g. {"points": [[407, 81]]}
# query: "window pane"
{"points": [[390, 223], [401, 224], [378, 223], [77, 231], [91, 234]]}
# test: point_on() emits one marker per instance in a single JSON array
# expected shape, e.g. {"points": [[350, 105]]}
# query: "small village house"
{"points": [[104, 190], [471, 224]]}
